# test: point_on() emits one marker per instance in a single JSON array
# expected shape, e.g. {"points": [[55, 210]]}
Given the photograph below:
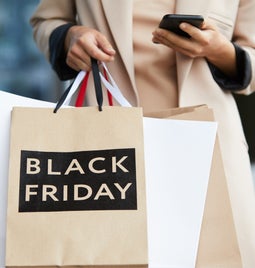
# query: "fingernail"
{"points": [[183, 25], [110, 49]]}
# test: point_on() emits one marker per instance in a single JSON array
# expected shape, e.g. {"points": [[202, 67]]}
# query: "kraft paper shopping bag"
{"points": [[76, 188], [218, 246], [76, 193], [7, 101]]}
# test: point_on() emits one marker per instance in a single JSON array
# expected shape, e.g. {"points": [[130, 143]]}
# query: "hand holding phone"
{"points": [[171, 22]]}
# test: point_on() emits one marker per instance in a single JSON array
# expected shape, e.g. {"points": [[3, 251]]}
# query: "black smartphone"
{"points": [[171, 22]]}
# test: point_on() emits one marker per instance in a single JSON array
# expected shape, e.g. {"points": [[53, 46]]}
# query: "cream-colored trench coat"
{"points": [[236, 20]]}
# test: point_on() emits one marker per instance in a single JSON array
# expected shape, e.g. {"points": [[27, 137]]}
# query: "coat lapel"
{"points": [[120, 19], [183, 62]]}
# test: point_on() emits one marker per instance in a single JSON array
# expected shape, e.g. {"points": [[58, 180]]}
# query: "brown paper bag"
{"points": [[76, 188], [218, 245]]}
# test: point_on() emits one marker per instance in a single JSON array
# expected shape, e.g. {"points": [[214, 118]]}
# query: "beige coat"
{"points": [[236, 21]]}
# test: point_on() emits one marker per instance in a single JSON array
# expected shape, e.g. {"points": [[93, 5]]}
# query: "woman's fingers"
{"points": [[82, 43]]}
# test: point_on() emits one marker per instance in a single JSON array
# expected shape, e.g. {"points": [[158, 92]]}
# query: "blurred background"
{"points": [[25, 71]]}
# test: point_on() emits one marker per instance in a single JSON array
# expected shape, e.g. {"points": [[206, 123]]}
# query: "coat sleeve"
{"points": [[244, 36], [242, 78], [57, 54], [47, 17]]}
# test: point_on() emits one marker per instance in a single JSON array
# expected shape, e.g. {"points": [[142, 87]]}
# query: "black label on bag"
{"points": [[69, 181]]}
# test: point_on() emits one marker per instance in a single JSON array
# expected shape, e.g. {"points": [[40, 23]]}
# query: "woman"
{"points": [[157, 69]]}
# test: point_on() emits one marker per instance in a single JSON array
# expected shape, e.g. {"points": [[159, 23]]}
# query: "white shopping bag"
{"points": [[178, 155], [7, 101]]}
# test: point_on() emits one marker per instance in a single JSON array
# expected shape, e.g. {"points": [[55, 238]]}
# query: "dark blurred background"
{"points": [[25, 71], [246, 106]]}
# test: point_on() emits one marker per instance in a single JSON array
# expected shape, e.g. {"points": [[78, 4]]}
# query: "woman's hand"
{"points": [[206, 42], [81, 43]]}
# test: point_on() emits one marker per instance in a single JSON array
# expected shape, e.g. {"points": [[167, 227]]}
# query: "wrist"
{"points": [[224, 59], [68, 38]]}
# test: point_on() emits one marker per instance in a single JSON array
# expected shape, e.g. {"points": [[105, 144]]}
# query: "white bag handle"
{"points": [[74, 87], [113, 88], [109, 85]]}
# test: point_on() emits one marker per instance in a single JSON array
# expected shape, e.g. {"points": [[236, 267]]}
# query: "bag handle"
{"points": [[82, 91], [73, 86], [109, 84], [113, 88], [83, 88], [97, 83]]}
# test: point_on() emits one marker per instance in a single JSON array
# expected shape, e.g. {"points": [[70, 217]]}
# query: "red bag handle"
{"points": [[83, 88], [109, 95], [82, 91]]}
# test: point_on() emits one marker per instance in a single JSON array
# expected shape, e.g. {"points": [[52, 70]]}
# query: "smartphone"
{"points": [[171, 22]]}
